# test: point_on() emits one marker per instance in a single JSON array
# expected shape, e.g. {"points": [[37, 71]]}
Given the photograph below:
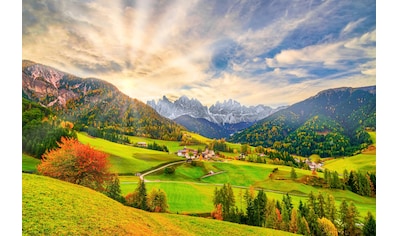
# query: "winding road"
{"points": [[208, 175]]}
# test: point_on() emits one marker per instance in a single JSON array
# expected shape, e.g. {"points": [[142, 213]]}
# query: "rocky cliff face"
{"points": [[53, 88], [228, 112]]}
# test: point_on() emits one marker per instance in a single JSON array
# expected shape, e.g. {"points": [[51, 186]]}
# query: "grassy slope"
{"points": [[29, 163], [360, 162], [365, 161], [127, 159], [53, 207]]}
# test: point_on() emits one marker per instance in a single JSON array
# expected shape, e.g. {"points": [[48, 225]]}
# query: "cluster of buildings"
{"points": [[189, 153], [312, 165]]}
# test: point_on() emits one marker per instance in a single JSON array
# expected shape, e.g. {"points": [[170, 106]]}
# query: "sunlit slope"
{"points": [[53, 207], [366, 161], [127, 159]]}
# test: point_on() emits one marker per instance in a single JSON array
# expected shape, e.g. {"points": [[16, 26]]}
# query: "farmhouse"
{"points": [[142, 144]]}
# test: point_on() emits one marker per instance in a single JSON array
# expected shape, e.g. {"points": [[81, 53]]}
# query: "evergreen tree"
{"points": [[303, 209], [303, 226], [288, 203], [271, 215], [352, 219], [312, 203], [346, 177], [260, 208], [331, 211], [321, 206], [285, 222], [369, 228], [348, 217], [113, 189], [353, 182], [327, 177], [372, 187], [312, 222], [293, 173], [141, 201], [335, 182], [343, 223], [225, 196], [251, 211]]}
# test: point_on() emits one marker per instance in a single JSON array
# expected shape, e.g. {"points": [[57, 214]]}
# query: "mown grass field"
{"points": [[53, 207]]}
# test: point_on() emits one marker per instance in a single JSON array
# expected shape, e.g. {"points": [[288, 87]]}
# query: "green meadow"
{"points": [[29, 163], [54, 207], [196, 198], [188, 193], [126, 159], [360, 162], [173, 146]]}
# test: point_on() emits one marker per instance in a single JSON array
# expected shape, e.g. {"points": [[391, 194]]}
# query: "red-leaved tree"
{"points": [[76, 163]]}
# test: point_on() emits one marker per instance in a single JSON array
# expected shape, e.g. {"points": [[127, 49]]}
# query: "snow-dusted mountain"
{"points": [[182, 106], [232, 112], [227, 112], [227, 115]]}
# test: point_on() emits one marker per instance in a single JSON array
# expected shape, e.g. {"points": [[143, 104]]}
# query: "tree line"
{"points": [[319, 215], [41, 129]]}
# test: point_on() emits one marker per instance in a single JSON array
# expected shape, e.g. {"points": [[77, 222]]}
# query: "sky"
{"points": [[255, 52]]}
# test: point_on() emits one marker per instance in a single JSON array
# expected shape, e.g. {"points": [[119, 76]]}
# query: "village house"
{"points": [[187, 153], [312, 165], [142, 144], [207, 154]]}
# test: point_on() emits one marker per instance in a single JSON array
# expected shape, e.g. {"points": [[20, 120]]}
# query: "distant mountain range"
{"points": [[217, 121], [331, 123], [93, 105]]}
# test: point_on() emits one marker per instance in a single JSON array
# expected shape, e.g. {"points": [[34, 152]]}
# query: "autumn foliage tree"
{"points": [[77, 163], [217, 213], [156, 201]]}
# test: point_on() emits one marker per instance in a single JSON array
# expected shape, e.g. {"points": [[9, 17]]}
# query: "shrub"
{"points": [[77, 163]]}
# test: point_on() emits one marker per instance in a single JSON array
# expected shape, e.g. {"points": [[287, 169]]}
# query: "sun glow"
{"points": [[152, 48]]}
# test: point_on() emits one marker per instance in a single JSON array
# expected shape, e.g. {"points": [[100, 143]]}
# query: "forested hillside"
{"points": [[332, 123], [93, 105], [41, 129]]}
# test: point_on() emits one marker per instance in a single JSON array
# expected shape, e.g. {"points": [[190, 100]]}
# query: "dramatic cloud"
{"points": [[270, 52]]}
